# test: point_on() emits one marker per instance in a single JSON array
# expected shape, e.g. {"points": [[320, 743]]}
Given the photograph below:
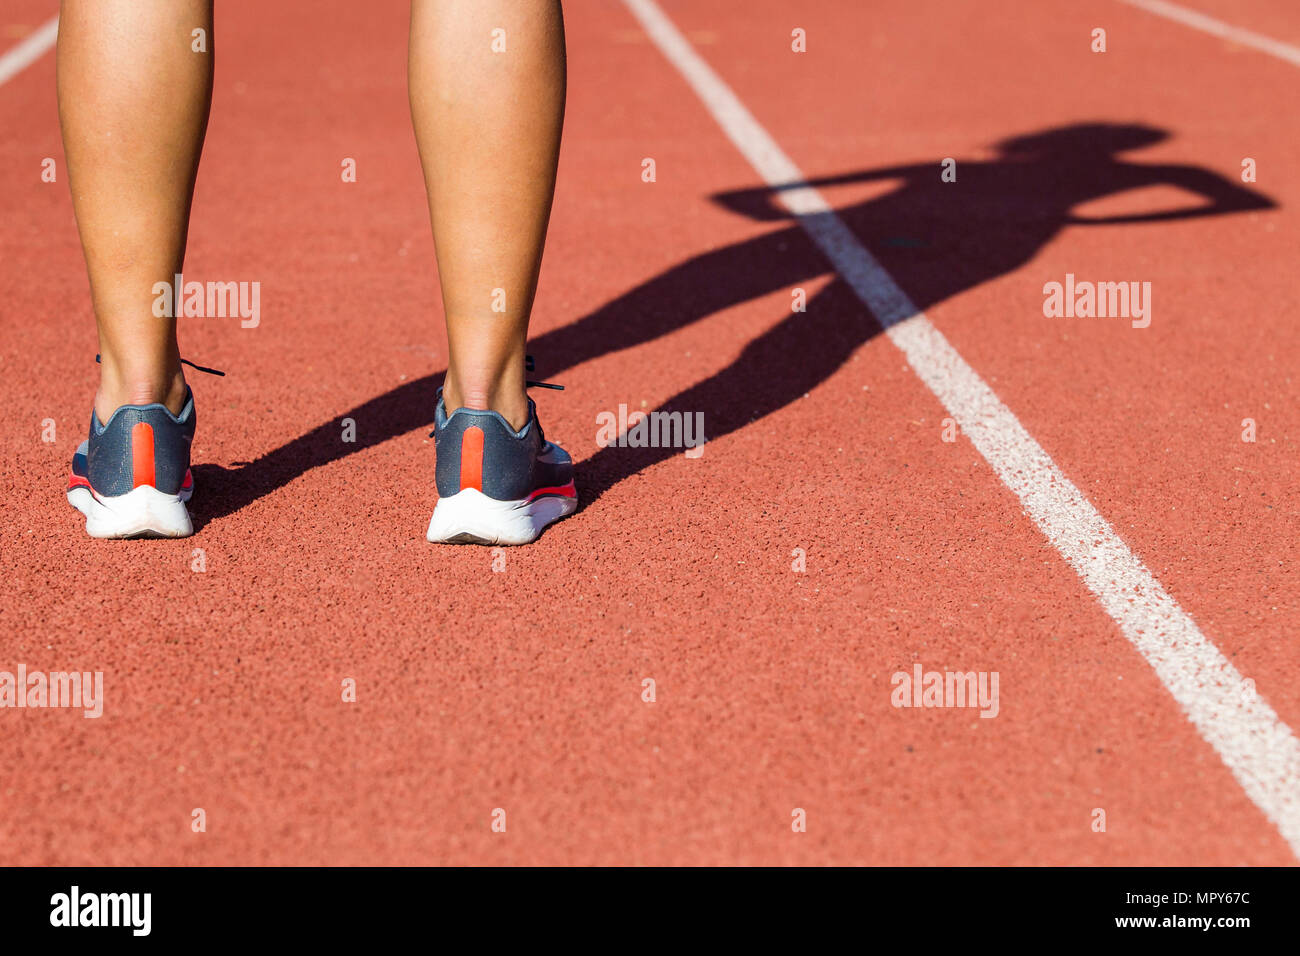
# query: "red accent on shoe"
{"points": [[471, 459], [142, 465], [566, 491]]}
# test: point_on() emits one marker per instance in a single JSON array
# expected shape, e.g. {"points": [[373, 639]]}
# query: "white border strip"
{"points": [[31, 49], [1226, 31], [1248, 735]]}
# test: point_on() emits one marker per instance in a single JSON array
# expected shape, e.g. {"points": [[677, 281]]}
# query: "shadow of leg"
{"points": [[689, 291], [220, 491], [782, 365]]}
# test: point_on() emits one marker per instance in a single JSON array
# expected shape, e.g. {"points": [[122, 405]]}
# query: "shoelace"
{"points": [[185, 361], [528, 367]]}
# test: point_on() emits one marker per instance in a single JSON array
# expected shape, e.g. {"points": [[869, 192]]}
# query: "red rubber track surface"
{"points": [[521, 689]]}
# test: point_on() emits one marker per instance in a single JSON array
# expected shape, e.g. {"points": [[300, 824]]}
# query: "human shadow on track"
{"points": [[936, 239]]}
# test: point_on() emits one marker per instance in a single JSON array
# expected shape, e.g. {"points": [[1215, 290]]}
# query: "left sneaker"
{"points": [[131, 477]]}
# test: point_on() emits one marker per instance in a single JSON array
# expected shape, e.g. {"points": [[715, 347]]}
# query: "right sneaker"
{"points": [[131, 477], [497, 485]]}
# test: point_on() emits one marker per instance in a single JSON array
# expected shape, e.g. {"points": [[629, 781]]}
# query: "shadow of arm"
{"points": [[1224, 196]]}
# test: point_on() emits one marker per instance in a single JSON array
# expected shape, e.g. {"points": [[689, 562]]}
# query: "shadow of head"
{"points": [[1080, 142]]}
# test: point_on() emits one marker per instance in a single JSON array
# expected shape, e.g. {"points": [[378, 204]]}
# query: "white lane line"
{"points": [[1247, 733], [15, 60], [1200, 21]]}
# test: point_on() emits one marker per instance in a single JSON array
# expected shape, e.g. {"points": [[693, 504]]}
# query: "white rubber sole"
{"points": [[143, 512], [471, 517]]}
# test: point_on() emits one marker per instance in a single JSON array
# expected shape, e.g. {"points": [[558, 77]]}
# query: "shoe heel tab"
{"points": [[153, 410], [485, 418]]}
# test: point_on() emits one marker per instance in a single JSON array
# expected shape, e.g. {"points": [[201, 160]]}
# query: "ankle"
{"points": [[116, 390], [510, 402]]}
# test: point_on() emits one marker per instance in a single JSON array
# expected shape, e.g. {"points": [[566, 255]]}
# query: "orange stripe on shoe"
{"points": [[471, 459], [142, 470]]}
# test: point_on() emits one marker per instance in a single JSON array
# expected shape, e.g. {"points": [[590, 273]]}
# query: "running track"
{"points": [[522, 689]]}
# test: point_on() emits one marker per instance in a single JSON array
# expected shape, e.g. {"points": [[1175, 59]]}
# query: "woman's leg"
{"points": [[133, 104], [488, 124]]}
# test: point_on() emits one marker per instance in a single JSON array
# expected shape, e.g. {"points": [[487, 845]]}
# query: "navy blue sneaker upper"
{"points": [[479, 449], [140, 445]]}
